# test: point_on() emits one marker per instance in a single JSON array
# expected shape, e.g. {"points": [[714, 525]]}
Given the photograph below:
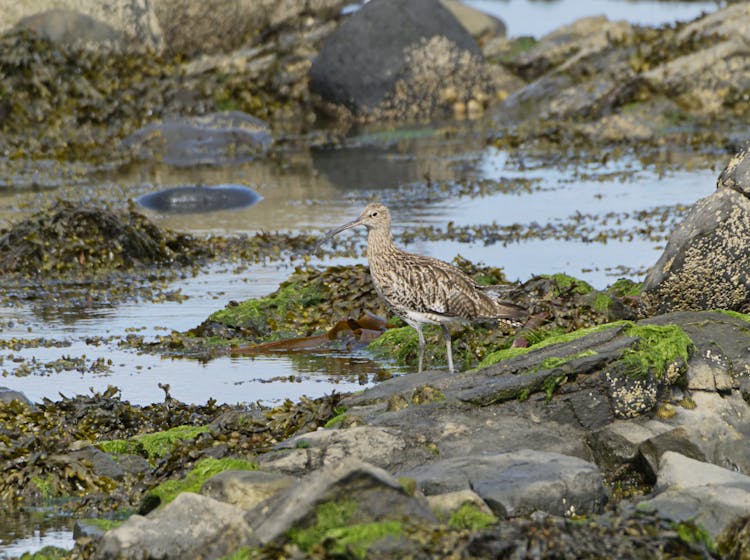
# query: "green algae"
{"points": [[507, 353], [45, 486], [400, 344], [154, 445], [336, 420], [658, 347], [470, 517], [200, 473], [308, 301], [695, 534], [567, 283], [409, 484], [333, 527], [625, 287]]}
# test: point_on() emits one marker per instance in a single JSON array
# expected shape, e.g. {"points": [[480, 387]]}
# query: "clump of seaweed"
{"points": [[69, 238], [310, 300]]}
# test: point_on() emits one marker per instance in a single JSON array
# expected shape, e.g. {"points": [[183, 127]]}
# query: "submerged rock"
{"points": [[216, 138], [199, 198]]}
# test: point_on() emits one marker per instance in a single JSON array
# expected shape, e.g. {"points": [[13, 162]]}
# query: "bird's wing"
{"points": [[428, 285]]}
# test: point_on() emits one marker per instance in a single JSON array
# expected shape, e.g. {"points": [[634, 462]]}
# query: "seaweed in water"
{"points": [[68, 238]]}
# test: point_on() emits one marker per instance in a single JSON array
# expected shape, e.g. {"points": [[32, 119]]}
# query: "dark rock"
{"points": [[619, 443], [672, 441], [191, 526], [519, 482], [87, 530], [101, 463], [216, 138], [705, 262], [9, 395], [195, 199], [378, 495], [360, 62]]}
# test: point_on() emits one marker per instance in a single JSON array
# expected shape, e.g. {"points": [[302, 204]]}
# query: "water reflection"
{"points": [[27, 530]]}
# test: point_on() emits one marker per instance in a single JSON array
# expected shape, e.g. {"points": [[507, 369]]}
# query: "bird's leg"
{"points": [[418, 327], [448, 347]]}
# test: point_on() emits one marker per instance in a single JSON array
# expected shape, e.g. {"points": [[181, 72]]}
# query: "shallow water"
{"points": [[523, 17], [558, 196]]}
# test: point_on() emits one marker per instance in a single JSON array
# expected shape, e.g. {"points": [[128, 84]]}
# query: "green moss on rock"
{"points": [[658, 348], [342, 538], [507, 353], [470, 517], [200, 473]]}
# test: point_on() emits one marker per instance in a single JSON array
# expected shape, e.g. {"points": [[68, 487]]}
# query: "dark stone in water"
{"points": [[197, 198], [213, 139], [7, 395]]}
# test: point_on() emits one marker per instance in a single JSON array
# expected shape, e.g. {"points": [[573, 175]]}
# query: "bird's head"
{"points": [[374, 216]]}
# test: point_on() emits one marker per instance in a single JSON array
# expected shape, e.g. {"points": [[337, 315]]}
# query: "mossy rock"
{"points": [[334, 531], [193, 480]]}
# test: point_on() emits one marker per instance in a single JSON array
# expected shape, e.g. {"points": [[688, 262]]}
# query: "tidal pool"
{"points": [[561, 197]]}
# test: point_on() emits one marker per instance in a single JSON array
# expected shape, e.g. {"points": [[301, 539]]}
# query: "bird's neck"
{"points": [[379, 243]]}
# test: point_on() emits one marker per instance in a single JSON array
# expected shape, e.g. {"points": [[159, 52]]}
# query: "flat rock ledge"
{"points": [[548, 438]]}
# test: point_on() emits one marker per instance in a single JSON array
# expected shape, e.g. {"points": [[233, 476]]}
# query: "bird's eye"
{"points": [[374, 214]]}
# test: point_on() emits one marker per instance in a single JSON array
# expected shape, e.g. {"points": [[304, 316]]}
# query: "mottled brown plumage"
{"points": [[423, 290]]}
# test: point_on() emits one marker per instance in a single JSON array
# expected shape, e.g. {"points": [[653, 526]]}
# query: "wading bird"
{"points": [[423, 290]]}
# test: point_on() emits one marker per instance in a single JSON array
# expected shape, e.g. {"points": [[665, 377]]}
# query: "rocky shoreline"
{"points": [[614, 426]]}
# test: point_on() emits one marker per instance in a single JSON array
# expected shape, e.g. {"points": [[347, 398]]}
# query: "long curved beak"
{"points": [[336, 231]]}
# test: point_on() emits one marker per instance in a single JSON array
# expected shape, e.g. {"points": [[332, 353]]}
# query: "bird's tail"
{"points": [[510, 310]]}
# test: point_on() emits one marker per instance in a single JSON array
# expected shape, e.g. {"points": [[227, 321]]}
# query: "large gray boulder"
{"points": [[706, 261], [361, 62], [368, 493], [690, 490], [213, 139], [90, 24], [519, 482], [191, 526]]}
